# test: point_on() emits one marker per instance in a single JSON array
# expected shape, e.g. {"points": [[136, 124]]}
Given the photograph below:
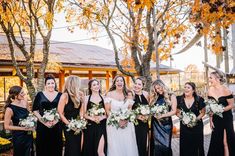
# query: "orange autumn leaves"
{"points": [[210, 16]]}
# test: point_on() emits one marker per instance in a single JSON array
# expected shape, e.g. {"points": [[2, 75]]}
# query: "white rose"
{"points": [[50, 117], [186, 119]]}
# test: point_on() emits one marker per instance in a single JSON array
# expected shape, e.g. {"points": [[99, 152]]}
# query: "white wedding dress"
{"points": [[121, 142]]}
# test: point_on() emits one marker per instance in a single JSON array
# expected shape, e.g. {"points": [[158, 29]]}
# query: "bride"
{"points": [[121, 141]]}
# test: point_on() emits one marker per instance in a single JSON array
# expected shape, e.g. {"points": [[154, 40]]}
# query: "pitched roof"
{"points": [[72, 54]]}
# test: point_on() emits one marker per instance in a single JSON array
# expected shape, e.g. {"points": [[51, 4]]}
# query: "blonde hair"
{"points": [[71, 87], [154, 95], [219, 75]]}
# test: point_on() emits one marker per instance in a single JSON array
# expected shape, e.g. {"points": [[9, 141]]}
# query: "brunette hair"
{"points": [[113, 87], [89, 86], [13, 92], [51, 77]]}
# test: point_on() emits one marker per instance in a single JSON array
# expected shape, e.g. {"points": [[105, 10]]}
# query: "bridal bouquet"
{"points": [[188, 118], [143, 110], [159, 109], [122, 114], [50, 115], [96, 110], [77, 125], [29, 122], [215, 108]]}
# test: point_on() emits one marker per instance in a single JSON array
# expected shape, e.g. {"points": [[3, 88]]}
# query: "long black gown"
{"points": [[22, 140], [93, 133], [161, 133], [216, 147], [191, 139], [72, 141], [141, 130], [48, 140]]}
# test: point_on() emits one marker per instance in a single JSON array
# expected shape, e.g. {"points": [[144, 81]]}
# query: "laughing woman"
{"points": [[95, 134], [121, 141], [191, 138]]}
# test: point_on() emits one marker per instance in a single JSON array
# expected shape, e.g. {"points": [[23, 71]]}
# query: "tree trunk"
{"points": [[31, 89], [226, 58]]}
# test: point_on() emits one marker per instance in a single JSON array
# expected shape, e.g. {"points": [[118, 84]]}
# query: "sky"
{"points": [[195, 55]]}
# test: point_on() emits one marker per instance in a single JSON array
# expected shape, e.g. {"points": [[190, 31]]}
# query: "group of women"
{"points": [[100, 139]]}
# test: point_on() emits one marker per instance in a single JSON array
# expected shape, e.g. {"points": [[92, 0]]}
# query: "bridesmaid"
{"points": [[95, 136], [71, 107], [16, 109], [48, 133], [141, 97], [162, 125], [191, 139], [222, 138]]}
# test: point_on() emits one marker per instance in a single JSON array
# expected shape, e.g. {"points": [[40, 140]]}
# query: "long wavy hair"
{"points": [[113, 87], [71, 87], [89, 86], [13, 92], [154, 94]]}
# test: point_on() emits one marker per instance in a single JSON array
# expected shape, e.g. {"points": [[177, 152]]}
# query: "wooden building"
{"points": [[86, 61]]}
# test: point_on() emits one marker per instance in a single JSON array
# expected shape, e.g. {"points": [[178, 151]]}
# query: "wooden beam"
{"points": [[21, 82], [90, 74], [61, 79], [114, 73], [128, 81], [107, 81]]}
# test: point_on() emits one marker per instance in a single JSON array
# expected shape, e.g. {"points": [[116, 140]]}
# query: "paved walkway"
{"points": [[207, 135]]}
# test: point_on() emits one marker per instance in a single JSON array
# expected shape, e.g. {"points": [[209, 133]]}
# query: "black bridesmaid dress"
{"points": [[22, 140], [93, 133], [141, 130], [72, 141], [161, 133], [48, 140], [191, 139], [216, 147]]}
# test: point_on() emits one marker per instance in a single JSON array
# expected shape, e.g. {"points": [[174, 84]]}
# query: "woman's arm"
{"points": [[230, 101], [7, 122], [82, 99], [107, 104], [202, 113], [63, 101], [173, 108]]}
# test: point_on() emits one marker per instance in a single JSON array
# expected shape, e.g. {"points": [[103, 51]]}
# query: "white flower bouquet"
{"points": [[50, 115], [96, 110], [215, 108], [188, 118], [29, 122], [143, 110], [159, 109], [77, 125], [116, 117]]}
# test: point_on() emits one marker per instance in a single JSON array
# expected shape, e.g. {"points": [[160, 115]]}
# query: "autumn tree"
{"points": [[139, 25], [213, 18], [23, 22]]}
